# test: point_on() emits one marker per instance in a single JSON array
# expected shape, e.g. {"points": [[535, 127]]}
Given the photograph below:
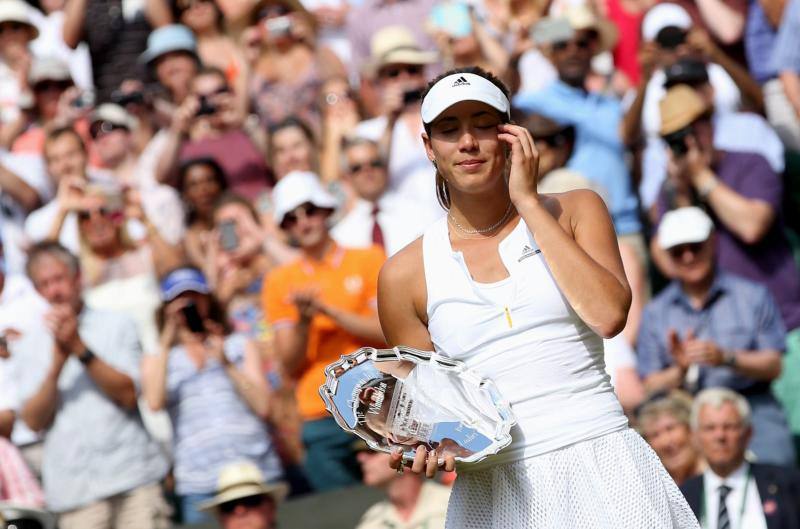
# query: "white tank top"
{"points": [[526, 338]]}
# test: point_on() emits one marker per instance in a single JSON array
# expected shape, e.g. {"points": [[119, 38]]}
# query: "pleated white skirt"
{"points": [[612, 482]]}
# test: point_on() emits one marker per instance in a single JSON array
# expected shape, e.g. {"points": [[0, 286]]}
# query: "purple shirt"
{"points": [[245, 170], [770, 260]]}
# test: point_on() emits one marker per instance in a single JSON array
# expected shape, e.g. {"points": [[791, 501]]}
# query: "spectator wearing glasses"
{"points": [[100, 467], [211, 383], [244, 500], [710, 328], [733, 491], [209, 125], [669, 35], [376, 217], [321, 306], [398, 70], [111, 128], [288, 64], [54, 104]]}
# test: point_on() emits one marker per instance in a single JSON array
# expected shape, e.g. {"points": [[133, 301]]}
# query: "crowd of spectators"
{"points": [[197, 196]]}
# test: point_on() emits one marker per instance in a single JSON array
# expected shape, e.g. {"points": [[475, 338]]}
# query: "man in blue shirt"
{"points": [[713, 329], [599, 152]]}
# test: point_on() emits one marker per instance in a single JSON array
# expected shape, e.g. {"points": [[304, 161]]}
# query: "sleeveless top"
{"points": [[526, 338]]}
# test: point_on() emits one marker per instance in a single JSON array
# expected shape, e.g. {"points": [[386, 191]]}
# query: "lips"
{"points": [[471, 163]]}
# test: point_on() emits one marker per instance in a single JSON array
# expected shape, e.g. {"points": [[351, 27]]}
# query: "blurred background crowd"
{"points": [[196, 197]]}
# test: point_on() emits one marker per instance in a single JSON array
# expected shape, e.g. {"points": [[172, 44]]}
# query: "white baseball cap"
{"points": [[684, 226], [663, 16], [296, 189], [462, 87]]}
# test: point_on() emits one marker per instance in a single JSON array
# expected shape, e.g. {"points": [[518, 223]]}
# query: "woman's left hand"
{"points": [[524, 158]]}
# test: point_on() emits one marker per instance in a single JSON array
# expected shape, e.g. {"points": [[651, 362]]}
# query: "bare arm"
{"points": [[116, 385], [158, 13], [40, 410], [791, 86], [11, 131], [748, 218], [666, 379], [19, 190], [74, 18], [154, 379], [367, 328], [724, 22], [759, 365], [6, 423], [250, 382], [631, 126], [290, 346]]}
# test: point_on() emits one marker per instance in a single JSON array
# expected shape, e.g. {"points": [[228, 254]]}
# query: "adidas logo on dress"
{"points": [[527, 251], [461, 81]]}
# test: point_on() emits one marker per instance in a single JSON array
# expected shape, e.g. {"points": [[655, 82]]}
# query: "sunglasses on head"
{"points": [[248, 502], [679, 250], [358, 167], [101, 128], [290, 219], [393, 72]]}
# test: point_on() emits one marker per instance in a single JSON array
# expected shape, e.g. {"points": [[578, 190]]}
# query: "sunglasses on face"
{"points": [[221, 90], [249, 502], [101, 128], [374, 164], [272, 12], [583, 43], [678, 251], [394, 72], [105, 212], [49, 85], [290, 219], [12, 26]]}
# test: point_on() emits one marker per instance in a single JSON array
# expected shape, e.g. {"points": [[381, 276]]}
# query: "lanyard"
{"points": [[704, 505]]}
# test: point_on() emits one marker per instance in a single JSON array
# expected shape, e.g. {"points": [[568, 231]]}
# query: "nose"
{"points": [[467, 142]]}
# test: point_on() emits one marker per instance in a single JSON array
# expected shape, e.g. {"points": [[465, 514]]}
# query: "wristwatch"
{"points": [[86, 357], [729, 358]]}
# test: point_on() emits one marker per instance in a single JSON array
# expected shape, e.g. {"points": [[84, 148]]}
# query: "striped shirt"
{"points": [[17, 484], [212, 424], [786, 54]]}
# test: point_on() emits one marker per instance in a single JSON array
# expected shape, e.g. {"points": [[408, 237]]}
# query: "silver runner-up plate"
{"points": [[408, 397]]}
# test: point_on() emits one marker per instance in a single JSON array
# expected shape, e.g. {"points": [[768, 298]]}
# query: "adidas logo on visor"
{"points": [[461, 81]]}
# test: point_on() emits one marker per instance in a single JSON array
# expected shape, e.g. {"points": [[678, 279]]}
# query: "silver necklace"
{"points": [[475, 231]]}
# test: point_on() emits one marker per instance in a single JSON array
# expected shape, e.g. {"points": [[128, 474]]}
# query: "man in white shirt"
{"points": [[734, 493], [377, 217], [398, 67]]}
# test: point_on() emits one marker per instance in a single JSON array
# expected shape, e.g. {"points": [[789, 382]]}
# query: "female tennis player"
{"points": [[522, 287]]}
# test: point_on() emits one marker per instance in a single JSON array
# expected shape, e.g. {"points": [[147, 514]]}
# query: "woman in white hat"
{"points": [[522, 287]]}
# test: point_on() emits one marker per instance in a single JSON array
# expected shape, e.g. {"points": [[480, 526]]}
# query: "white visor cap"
{"points": [[685, 225], [462, 87]]}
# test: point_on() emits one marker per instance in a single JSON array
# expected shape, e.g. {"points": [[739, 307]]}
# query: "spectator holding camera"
{"points": [[208, 124], [288, 65], [710, 328], [397, 68], [321, 306], [210, 382], [214, 47], [100, 467]]}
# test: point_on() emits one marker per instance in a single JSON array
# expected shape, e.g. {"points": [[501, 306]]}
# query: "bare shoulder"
{"points": [[572, 207], [404, 267]]}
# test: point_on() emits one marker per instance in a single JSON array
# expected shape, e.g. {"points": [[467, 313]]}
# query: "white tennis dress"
{"points": [[574, 463]]}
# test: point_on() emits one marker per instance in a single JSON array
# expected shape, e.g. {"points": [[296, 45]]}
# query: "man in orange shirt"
{"points": [[321, 306]]}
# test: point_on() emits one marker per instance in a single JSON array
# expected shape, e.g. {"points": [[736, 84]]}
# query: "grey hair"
{"points": [[52, 249], [677, 404], [716, 398]]}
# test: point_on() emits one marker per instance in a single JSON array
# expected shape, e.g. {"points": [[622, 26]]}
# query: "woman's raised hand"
{"points": [[424, 461], [524, 159]]}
